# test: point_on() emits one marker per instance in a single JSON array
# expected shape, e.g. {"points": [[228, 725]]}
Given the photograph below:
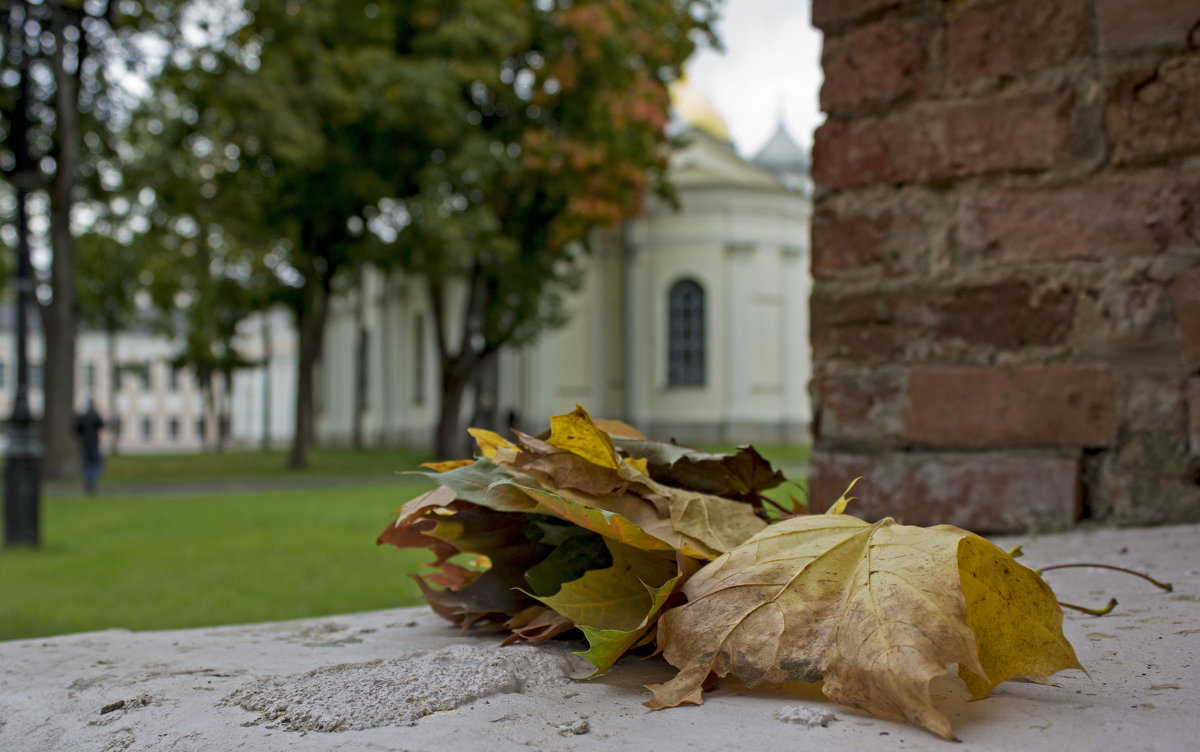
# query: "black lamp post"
{"points": [[22, 463]]}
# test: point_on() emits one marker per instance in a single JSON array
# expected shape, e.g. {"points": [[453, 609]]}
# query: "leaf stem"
{"points": [[1112, 603], [1163, 585]]}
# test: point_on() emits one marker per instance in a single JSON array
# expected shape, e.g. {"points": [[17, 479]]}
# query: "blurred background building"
{"points": [[692, 322]]}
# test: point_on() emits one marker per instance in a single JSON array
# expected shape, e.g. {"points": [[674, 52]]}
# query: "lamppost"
{"points": [[22, 463]]}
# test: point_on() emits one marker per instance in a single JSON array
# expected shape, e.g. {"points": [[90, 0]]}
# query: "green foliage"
{"points": [[163, 562], [107, 280]]}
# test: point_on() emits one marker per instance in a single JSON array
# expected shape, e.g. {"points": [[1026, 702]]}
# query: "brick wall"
{"points": [[1006, 253]]}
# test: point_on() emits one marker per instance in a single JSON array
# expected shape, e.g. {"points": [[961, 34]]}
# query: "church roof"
{"points": [[704, 159], [782, 154]]}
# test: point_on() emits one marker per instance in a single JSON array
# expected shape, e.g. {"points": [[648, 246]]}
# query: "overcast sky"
{"points": [[771, 63]]}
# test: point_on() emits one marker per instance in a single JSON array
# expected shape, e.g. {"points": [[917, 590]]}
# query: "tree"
{"points": [[106, 287], [558, 129], [293, 120], [78, 52]]}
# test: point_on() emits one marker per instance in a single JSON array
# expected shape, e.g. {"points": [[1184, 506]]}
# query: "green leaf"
{"points": [[606, 646], [569, 561], [615, 605], [486, 484], [616, 597], [551, 530]]}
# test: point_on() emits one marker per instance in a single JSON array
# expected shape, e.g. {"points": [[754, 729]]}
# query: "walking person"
{"points": [[88, 426]]}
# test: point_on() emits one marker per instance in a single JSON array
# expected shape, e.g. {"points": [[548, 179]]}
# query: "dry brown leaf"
{"points": [[877, 611]]}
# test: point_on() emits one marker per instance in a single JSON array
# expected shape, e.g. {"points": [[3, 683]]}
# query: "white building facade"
{"points": [[149, 405]]}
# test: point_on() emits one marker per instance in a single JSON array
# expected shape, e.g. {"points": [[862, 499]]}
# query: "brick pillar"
{"points": [[1006, 255]]}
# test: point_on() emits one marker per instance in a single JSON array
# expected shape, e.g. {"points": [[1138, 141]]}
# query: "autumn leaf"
{"points": [[489, 599], [535, 625], [618, 428], [486, 484], [576, 433], [719, 523], [876, 611], [441, 467], [743, 475], [614, 606], [565, 469], [606, 522], [489, 441], [569, 560], [557, 469]]}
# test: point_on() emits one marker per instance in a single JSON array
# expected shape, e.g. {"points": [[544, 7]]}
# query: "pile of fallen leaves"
{"points": [[636, 542]]}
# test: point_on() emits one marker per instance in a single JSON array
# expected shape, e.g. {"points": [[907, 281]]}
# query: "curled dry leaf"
{"points": [[876, 611]]}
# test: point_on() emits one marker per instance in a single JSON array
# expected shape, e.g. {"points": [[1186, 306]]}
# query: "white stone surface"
{"points": [[405, 680]]}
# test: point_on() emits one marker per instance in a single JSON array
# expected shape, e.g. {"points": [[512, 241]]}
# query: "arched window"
{"points": [[685, 334]]}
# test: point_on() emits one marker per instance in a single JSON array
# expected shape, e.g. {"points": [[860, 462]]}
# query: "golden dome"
{"points": [[697, 110]]}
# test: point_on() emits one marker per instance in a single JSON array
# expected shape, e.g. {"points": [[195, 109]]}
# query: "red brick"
{"points": [[1128, 24], [1012, 38], [875, 64], [937, 141], [1153, 114], [845, 244], [890, 244], [921, 325], [864, 405], [1193, 400], [1185, 298], [982, 492], [829, 13], [1104, 218], [1008, 406]]}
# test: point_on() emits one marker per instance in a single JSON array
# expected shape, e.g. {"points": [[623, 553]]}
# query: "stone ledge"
{"points": [[181, 689]]}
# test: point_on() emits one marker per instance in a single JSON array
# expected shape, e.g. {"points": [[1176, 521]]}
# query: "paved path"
{"points": [[405, 680]]}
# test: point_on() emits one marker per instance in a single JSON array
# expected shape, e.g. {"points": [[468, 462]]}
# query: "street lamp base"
{"points": [[22, 490]]}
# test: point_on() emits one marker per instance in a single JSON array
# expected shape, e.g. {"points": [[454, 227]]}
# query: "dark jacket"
{"points": [[88, 427]]}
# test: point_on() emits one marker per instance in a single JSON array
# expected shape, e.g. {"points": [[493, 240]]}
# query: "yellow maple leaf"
{"points": [[442, 467], [876, 611], [575, 432], [490, 441]]}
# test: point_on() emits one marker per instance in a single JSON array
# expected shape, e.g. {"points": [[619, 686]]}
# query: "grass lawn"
{"points": [[370, 463], [158, 562]]}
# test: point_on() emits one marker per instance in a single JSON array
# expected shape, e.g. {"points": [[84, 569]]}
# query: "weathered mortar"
{"points": [[1006, 253]]}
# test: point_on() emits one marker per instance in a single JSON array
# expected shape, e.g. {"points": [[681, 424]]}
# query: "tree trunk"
{"points": [[114, 420], [456, 369], [487, 392], [360, 355], [60, 316], [266, 385], [310, 325], [224, 411], [206, 398], [449, 441]]}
